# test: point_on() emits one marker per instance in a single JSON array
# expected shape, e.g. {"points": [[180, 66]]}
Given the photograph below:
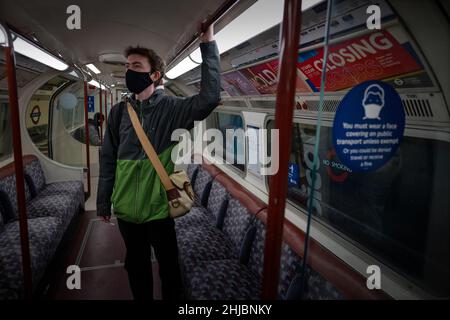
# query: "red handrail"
{"points": [[212, 19], [289, 41], [101, 116], [106, 105], [86, 138], [18, 164]]}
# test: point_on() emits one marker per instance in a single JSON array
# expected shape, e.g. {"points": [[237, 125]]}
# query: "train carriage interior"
{"points": [[296, 196]]}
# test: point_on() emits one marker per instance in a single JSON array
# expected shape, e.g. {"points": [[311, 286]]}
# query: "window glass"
{"points": [[37, 115], [232, 128], [253, 164], [6, 147], [71, 103], [398, 213]]}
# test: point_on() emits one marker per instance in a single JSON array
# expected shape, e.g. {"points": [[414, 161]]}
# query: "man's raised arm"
{"points": [[198, 107]]}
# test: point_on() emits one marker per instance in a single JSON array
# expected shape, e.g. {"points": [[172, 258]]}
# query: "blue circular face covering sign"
{"points": [[368, 126]]}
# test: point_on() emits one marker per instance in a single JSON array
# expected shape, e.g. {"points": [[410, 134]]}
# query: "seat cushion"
{"points": [[318, 288], [44, 235], [202, 244], [197, 217], [60, 206], [222, 280], [72, 188]]}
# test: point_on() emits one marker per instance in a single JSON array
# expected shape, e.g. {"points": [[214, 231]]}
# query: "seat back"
{"points": [[202, 186], [218, 202], [8, 193], [192, 170], [33, 170]]}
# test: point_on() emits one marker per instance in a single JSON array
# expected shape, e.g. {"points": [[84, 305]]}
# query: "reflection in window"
{"points": [[71, 104], [37, 115], [400, 213], [6, 148], [233, 147]]}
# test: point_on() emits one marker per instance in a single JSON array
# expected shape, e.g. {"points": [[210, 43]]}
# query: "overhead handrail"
{"points": [[211, 20]]}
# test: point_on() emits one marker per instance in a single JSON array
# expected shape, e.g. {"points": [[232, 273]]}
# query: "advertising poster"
{"points": [[370, 57], [259, 80], [301, 85], [241, 86], [231, 90], [263, 77]]}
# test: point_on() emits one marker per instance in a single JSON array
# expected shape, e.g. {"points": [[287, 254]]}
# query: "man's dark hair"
{"points": [[156, 62]]}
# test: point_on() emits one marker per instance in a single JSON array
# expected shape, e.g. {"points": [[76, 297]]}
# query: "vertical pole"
{"points": [[289, 42], [101, 114], [86, 138], [18, 165], [305, 275], [106, 105]]}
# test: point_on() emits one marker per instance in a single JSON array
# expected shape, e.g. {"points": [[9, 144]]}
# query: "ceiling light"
{"points": [[93, 68], [2, 37], [73, 73], [94, 83], [30, 50], [264, 14], [184, 66]]}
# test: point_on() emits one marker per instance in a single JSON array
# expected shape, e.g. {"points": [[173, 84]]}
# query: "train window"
{"points": [[37, 115], [233, 146], [235, 103], [6, 148], [398, 213], [253, 163], [70, 102]]}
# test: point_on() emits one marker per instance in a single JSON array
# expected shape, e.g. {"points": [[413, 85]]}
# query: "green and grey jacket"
{"points": [[127, 179]]}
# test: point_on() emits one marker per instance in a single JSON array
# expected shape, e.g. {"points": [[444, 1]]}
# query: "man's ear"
{"points": [[155, 76]]}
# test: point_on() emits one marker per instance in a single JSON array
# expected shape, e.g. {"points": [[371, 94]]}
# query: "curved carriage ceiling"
{"points": [[108, 26]]}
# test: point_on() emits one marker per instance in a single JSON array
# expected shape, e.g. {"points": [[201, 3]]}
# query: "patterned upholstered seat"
{"points": [[202, 186], [222, 280], [50, 208], [221, 247], [192, 170], [72, 188], [9, 198], [231, 279], [62, 206], [44, 234], [198, 244], [211, 216]]}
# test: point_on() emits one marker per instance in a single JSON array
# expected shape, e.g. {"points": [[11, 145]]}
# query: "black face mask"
{"points": [[137, 81]]}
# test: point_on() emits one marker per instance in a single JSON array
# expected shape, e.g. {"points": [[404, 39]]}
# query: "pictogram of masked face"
{"points": [[373, 101]]}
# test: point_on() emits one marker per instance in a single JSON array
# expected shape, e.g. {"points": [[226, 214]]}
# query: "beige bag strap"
{"points": [[149, 150]]}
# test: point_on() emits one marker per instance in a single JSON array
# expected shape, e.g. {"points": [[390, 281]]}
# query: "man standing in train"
{"points": [[127, 178]]}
